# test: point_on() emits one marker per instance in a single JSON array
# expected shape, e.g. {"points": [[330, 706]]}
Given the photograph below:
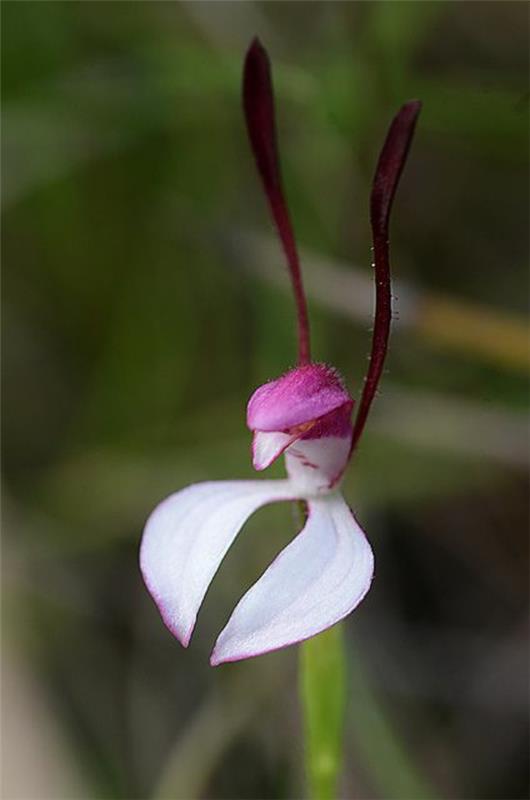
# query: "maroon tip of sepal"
{"points": [[258, 105], [390, 165]]}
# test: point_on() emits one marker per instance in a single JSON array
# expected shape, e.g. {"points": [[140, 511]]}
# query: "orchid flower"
{"points": [[306, 416]]}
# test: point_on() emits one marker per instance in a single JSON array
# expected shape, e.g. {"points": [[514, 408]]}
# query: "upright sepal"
{"points": [[386, 179], [258, 105]]}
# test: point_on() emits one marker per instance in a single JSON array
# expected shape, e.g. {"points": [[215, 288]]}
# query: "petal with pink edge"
{"points": [[319, 578], [185, 540]]}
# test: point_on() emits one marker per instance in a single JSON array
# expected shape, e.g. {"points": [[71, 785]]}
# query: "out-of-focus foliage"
{"points": [[136, 323]]}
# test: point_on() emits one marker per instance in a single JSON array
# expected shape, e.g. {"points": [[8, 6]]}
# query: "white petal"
{"points": [[267, 446], [320, 577], [316, 465], [186, 538]]}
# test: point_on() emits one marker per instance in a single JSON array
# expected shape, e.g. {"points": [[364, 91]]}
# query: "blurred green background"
{"points": [[144, 298]]}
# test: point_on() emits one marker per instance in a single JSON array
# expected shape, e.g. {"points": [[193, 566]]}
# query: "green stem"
{"points": [[322, 688]]}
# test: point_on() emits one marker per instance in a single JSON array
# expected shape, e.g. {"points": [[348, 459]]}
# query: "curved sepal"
{"points": [[186, 538], [319, 578]]}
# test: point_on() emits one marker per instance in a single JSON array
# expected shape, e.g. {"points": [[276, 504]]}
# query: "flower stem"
{"points": [[322, 690]]}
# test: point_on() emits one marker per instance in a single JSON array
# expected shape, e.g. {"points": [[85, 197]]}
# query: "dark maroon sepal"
{"points": [[258, 104], [387, 174]]}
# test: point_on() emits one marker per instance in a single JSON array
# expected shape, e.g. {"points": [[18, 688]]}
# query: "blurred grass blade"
{"points": [[322, 687], [378, 746], [495, 336]]}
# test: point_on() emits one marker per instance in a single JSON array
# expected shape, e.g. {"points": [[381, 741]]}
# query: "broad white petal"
{"points": [[320, 577], [186, 538], [267, 446]]}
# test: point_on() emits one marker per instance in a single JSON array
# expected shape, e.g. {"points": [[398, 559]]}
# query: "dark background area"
{"points": [[144, 298]]}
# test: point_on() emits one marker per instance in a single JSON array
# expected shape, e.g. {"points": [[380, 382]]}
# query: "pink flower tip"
{"points": [[300, 396]]}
